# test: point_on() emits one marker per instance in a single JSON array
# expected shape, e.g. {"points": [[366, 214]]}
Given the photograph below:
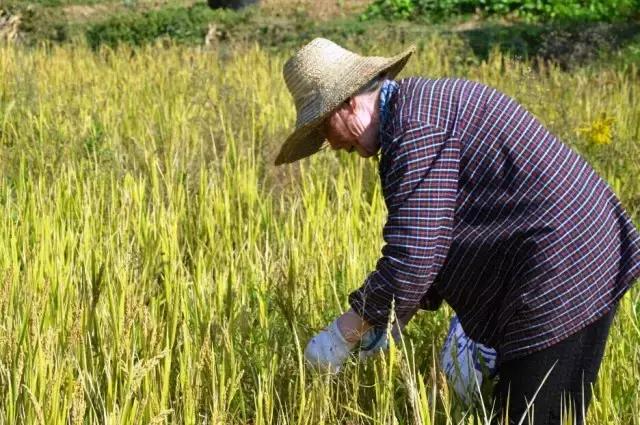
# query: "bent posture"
{"points": [[486, 210]]}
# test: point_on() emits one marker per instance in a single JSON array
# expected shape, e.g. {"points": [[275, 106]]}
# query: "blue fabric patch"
{"points": [[371, 338], [389, 87]]}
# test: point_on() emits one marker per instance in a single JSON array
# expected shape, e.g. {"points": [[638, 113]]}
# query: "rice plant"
{"points": [[155, 267]]}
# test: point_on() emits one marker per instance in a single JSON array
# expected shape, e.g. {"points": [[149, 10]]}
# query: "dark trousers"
{"points": [[575, 361]]}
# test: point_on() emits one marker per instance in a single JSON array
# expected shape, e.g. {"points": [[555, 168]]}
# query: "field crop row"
{"points": [[155, 267]]}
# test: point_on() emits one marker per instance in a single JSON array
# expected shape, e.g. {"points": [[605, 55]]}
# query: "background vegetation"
{"points": [[156, 268], [610, 31], [583, 10]]}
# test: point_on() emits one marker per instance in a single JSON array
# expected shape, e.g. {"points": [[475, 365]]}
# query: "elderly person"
{"points": [[486, 210]]}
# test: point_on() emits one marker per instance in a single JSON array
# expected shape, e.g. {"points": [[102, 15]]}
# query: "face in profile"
{"points": [[353, 126], [336, 131]]}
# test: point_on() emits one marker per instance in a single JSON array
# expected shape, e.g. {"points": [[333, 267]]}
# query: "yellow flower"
{"points": [[600, 131]]}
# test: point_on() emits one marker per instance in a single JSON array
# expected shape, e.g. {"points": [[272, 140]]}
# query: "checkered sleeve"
{"points": [[420, 190]]}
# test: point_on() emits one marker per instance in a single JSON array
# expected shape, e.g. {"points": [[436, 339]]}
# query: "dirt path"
{"points": [[96, 12], [315, 9]]}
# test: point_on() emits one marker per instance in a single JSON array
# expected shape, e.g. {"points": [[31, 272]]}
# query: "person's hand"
{"points": [[329, 349], [376, 340], [352, 326]]}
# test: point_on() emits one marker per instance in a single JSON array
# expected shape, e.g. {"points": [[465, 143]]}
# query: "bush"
{"points": [[586, 10], [181, 24], [38, 23], [230, 4]]}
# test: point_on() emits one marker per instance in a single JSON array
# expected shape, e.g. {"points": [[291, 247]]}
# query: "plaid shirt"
{"points": [[488, 210]]}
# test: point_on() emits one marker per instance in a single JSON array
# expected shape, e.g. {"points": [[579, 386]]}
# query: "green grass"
{"points": [[531, 10], [54, 3], [156, 268]]}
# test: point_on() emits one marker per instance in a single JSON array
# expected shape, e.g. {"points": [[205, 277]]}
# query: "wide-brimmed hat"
{"points": [[320, 76]]}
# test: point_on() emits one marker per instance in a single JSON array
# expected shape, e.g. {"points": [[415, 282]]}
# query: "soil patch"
{"points": [[97, 12], [316, 10]]}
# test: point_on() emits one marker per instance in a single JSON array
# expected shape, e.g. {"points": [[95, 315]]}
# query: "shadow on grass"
{"points": [[568, 44]]}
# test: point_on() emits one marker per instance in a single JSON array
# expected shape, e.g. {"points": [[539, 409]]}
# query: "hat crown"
{"points": [[313, 77], [315, 62]]}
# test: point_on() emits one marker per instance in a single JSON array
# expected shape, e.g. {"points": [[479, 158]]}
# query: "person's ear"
{"points": [[324, 126], [352, 103]]}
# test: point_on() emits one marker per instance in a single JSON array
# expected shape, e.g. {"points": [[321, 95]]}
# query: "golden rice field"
{"points": [[156, 268]]}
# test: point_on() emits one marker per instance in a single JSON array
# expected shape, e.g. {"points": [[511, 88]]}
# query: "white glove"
{"points": [[466, 362], [328, 350]]}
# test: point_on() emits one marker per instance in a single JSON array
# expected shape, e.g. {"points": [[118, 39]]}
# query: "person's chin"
{"points": [[366, 151], [365, 154]]}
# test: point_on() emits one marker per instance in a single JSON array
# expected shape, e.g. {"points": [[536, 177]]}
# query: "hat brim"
{"points": [[308, 139]]}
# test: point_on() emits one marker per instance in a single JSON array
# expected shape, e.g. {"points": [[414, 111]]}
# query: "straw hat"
{"points": [[321, 76]]}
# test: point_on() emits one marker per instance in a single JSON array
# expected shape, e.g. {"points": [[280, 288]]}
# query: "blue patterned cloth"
{"points": [[389, 87], [466, 363]]}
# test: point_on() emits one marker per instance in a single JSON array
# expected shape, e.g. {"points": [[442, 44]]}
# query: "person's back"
{"points": [[534, 253]]}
